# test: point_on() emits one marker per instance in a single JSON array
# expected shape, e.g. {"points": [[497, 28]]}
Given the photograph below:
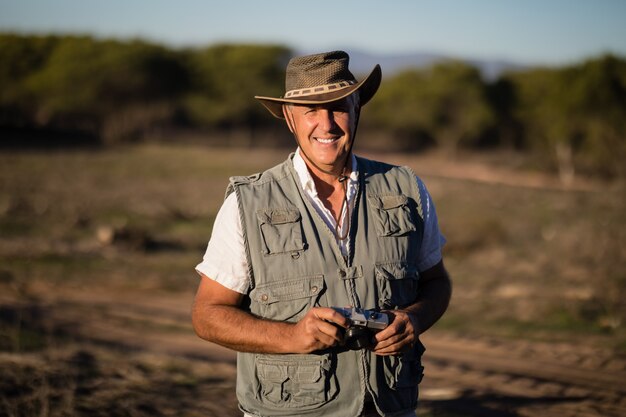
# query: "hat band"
{"points": [[321, 89]]}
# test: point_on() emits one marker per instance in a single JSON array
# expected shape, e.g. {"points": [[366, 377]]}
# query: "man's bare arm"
{"points": [[217, 317], [435, 290]]}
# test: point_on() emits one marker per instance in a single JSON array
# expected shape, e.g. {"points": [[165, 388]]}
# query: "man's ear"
{"points": [[288, 120]]}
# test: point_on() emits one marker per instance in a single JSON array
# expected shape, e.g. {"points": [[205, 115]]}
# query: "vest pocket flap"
{"points": [[305, 287], [278, 216], [388, 202], [307, 373], [272, 372], [298, 368], [396, 270]]}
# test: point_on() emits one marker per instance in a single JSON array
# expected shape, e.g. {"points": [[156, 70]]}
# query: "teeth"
{"points": [[321, 140]]}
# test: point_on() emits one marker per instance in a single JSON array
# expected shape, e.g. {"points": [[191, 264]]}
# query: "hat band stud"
{"points": [[321, 89]]}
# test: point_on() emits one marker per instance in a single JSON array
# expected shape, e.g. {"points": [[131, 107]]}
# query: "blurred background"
{"points": [[121, 121]]}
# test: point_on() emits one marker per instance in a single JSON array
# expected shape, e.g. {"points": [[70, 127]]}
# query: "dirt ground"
{"points": [[131, 354]]}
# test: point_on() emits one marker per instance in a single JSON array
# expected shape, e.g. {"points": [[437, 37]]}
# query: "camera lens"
{"points": [[357, 338]]}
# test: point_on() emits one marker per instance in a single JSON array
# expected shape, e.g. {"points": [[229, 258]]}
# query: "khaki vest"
{"points": [[295, 264]]}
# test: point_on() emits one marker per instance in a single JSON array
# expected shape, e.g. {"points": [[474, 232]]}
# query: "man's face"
{"points": [[325, 131]]}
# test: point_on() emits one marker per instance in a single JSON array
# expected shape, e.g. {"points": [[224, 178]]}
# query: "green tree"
{"points": [[446, 103], [116, 88], [400, 107], [20, 56], [225, 79], [575, 117], [507, 131]]}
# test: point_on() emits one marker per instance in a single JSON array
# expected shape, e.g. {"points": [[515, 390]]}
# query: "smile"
{"points": [[326, 140]]}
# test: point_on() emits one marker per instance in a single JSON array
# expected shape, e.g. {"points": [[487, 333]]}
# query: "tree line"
{"points": [[571, 118]]}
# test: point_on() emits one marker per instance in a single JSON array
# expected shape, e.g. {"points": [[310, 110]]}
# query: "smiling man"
{"points": [[321, 231]]}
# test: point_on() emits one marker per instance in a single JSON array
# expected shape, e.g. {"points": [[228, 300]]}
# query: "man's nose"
{"points": [[327, 119]]}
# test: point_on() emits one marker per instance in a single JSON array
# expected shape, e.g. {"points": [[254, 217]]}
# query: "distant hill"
{"points": [[362, 62]]}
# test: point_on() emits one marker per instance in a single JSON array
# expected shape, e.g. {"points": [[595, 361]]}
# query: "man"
{"points": [[323, 229]]}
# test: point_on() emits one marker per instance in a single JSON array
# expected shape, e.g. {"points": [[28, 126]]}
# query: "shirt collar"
{"points": [[305, 176]]}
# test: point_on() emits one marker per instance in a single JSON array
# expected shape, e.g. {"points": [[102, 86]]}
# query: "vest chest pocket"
{"points": [[290, 381], [397, 284], [281, 230], [392, 214], [287, 300]]}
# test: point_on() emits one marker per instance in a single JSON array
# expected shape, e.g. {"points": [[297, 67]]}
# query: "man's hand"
{"points": [[318, 330], [217, 317], [408, 323], [400, 335]]}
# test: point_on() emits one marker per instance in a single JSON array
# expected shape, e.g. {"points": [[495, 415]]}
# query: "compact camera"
{"points": [[363, 325]]}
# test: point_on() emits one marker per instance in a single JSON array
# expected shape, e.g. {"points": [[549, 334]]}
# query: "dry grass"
{"points": [[83, 380]]}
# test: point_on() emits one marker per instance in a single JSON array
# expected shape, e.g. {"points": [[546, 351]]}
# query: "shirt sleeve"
{"points": [[225, 258], [432, 241]]}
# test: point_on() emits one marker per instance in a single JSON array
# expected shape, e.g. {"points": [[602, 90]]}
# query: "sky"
{"points": [[541, 32]]}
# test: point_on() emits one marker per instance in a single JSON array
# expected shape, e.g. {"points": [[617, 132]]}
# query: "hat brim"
{"points": [[366, 87]]}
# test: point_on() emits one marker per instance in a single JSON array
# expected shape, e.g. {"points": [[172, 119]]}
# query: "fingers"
{"points": [[319, 329], [394, 345], [330, 315], [399, 336], [322, 328], [328, 334]]}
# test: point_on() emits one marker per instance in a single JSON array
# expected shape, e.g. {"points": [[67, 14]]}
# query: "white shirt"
{"points": [[225, 257]]}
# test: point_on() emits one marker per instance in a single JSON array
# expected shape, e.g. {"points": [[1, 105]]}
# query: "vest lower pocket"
{"points": [[295, 381], [404, 371]]}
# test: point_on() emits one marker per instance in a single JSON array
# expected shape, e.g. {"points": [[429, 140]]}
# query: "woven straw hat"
{"points": [[319, 79]]}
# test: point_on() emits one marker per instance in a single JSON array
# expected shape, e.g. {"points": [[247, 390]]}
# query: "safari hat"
{"points": [[319, 79]]}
